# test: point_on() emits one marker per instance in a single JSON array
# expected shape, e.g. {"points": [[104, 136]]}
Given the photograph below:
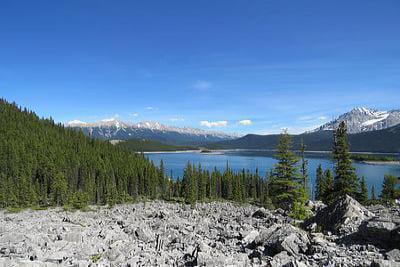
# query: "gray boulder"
{"points": [[384, 263], [393, 255], [250, 237], [344, 216], [284, 237], [261, 214], [281, 259], [380, 231], [74, 237], [315, 205], [144, 233], [12, 238]]}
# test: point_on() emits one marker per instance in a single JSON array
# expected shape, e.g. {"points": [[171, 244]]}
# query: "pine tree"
{"points": [[328, 195], [363, 194], [304, 169], [345, 181], [286, 187], [266, 198], [373, 195], [237, 188], [201, 183], [190, 184], [320, 184], [59, 189], [213, 184], [161, 180], [390, 189]]}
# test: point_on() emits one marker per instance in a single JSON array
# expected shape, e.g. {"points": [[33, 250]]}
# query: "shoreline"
{"points": [[371, 162], [172, 152], [265, 150], [223, 151]]}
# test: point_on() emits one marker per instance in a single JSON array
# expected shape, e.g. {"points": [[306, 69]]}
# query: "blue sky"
{"points": [[235, 66]]}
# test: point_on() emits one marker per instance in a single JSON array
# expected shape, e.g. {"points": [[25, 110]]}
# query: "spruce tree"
{"points": [[188, 184], [193, 185], [319, 183], [390, 190], [237, 188], [161, 180], [59, 189], [345, 181], [213, 184], [373, 194], [304, 169], [363, 194], [286, 186], [328, 195], [266, 198]]}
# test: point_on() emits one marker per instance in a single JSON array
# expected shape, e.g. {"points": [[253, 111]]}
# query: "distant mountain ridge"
{"points": [[362, 119], [370, 130], [379, 141], [117, 129]]}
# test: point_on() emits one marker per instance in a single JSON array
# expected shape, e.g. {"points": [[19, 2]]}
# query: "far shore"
{"points": [[266, 150], [172, 152], [380, 162], [221, 151]]}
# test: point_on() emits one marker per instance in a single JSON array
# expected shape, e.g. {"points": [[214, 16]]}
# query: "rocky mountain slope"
{"points": [[116, 129], [363, 119], [212, 234]]}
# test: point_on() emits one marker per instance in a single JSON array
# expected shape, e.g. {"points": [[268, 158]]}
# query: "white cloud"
{"points": [[245, 122], [322, 118], [151, 108], [202, 85], [135, 114], [210, 124]]}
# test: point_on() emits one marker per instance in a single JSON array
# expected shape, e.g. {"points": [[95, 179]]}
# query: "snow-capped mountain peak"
{"points": [[116, 129], [362, 119], [112, 122]]}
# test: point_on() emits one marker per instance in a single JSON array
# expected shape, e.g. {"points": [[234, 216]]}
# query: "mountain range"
{"points": [[379, 141], [113, 129], [369, 130]]}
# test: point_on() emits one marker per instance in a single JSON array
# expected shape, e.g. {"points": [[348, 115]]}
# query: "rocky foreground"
{"points": [[212, 234]]}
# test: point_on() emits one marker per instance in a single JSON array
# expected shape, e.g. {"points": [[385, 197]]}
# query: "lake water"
{"points": [[237, 160]]}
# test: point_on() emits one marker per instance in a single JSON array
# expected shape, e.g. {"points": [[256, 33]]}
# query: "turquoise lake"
{"points": [[264, 161]]}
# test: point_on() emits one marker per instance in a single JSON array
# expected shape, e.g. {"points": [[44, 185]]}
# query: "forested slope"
{"points": [[42, 163]]}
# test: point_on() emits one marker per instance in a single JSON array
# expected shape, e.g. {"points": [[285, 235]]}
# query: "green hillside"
{"points": [[142, 145], [42, 163]]}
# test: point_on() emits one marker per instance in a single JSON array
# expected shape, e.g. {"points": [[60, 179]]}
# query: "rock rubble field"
{"points": [[212, 234]]}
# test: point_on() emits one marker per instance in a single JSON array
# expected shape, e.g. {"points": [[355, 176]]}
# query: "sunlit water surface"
{"points": [[264, 161]]}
